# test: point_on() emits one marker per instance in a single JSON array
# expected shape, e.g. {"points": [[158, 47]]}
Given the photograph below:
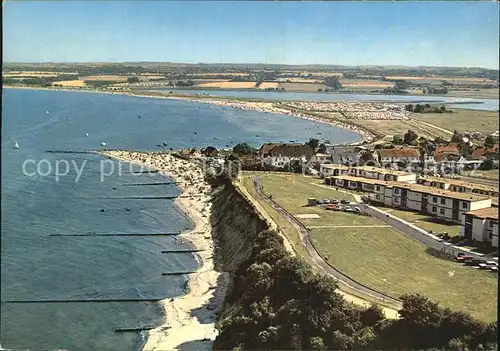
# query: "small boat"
{"points": [[164, 144], [16, 145], [103, 143], [139, 116], [86, 134], [47, 112]]}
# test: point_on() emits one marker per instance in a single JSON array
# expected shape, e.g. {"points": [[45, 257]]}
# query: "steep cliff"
{"points": [[235, 223]]}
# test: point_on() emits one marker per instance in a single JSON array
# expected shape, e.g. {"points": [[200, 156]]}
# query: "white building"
{"points": [[481, 225], [280, 155], [444, 204]]}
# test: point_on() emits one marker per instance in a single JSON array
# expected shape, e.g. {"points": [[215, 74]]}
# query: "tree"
{"points": [[418, 310], [243, 149], [397, 140], [487, 164], [409, 107], [372, 315], [409, 137], [132, 80], [322, 148], [313, 143], [333, 82], [456, 137], [417, 108], [489, 141], [317, 343]]}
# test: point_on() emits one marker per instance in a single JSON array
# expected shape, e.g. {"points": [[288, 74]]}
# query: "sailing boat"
{"points": [[16, 145]]}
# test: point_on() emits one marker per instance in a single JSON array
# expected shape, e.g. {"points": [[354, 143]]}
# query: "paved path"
{"points": [[347, 226], [316, 258], [416, 233]]}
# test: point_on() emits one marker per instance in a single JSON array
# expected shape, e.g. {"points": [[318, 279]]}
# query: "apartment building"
{"points": [[440, 203], [459, 186], [481, 225], [382, 174], [329, 170]]}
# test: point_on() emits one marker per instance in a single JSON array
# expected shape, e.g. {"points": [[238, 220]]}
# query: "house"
{"points": [[347, 154], [209, 151], [436, 202], [442, 152], [328, 170], [402, 154], [484, 152], [481, 225], [281, 155], [320, 159]]}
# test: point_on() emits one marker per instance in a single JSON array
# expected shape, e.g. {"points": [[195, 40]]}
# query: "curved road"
{"points": [[316, 258]]}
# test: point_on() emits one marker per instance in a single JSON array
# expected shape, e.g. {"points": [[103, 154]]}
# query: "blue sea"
{"points": [[63, 286]]}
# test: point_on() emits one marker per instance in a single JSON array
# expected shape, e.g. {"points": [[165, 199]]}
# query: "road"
{"points": [[416, 233], [316, 258]]}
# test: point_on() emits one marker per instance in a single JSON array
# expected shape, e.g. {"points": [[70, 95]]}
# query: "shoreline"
{"points": [[365, 136], [190, 317]]}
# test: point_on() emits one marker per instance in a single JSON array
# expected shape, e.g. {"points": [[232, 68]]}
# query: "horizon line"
{"points": [[244, 63]]}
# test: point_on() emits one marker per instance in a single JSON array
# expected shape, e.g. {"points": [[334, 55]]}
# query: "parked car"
{"points": [[345, 202], [348, 209], [334, 201], [461, 257]]}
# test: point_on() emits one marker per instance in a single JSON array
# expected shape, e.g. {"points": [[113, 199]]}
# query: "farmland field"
{"points": [[266, 85], [229, 85], [110, 78], [70, 83]]}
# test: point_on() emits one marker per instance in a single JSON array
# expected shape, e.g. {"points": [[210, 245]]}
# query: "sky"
{"points": [[443, 33]]}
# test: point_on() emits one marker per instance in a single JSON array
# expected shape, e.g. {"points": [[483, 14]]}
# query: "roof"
{"points": [[461, 183], [441, 192], [365, 180], [485, 213], [334, 166], [399, 152], [381, 170], [418, 188], [447, 149], [287, 150], [447, 156], [483, 151]]}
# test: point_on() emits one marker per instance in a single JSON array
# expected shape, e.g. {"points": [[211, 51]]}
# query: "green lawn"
{"points": [[382, 253], [370, 254], [462, 120], [423, 221]]}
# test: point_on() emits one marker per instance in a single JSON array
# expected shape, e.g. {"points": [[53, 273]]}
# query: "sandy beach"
{"points": [[191, 317]]}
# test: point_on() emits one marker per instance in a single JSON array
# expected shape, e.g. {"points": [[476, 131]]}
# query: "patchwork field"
{"points": [[110, 78], [368, 251], [454, 80], [38, 74], [297, 80], [266, 85], [70, 83], [229, 74], [228, 85], [389, 128], [365, 83]]}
